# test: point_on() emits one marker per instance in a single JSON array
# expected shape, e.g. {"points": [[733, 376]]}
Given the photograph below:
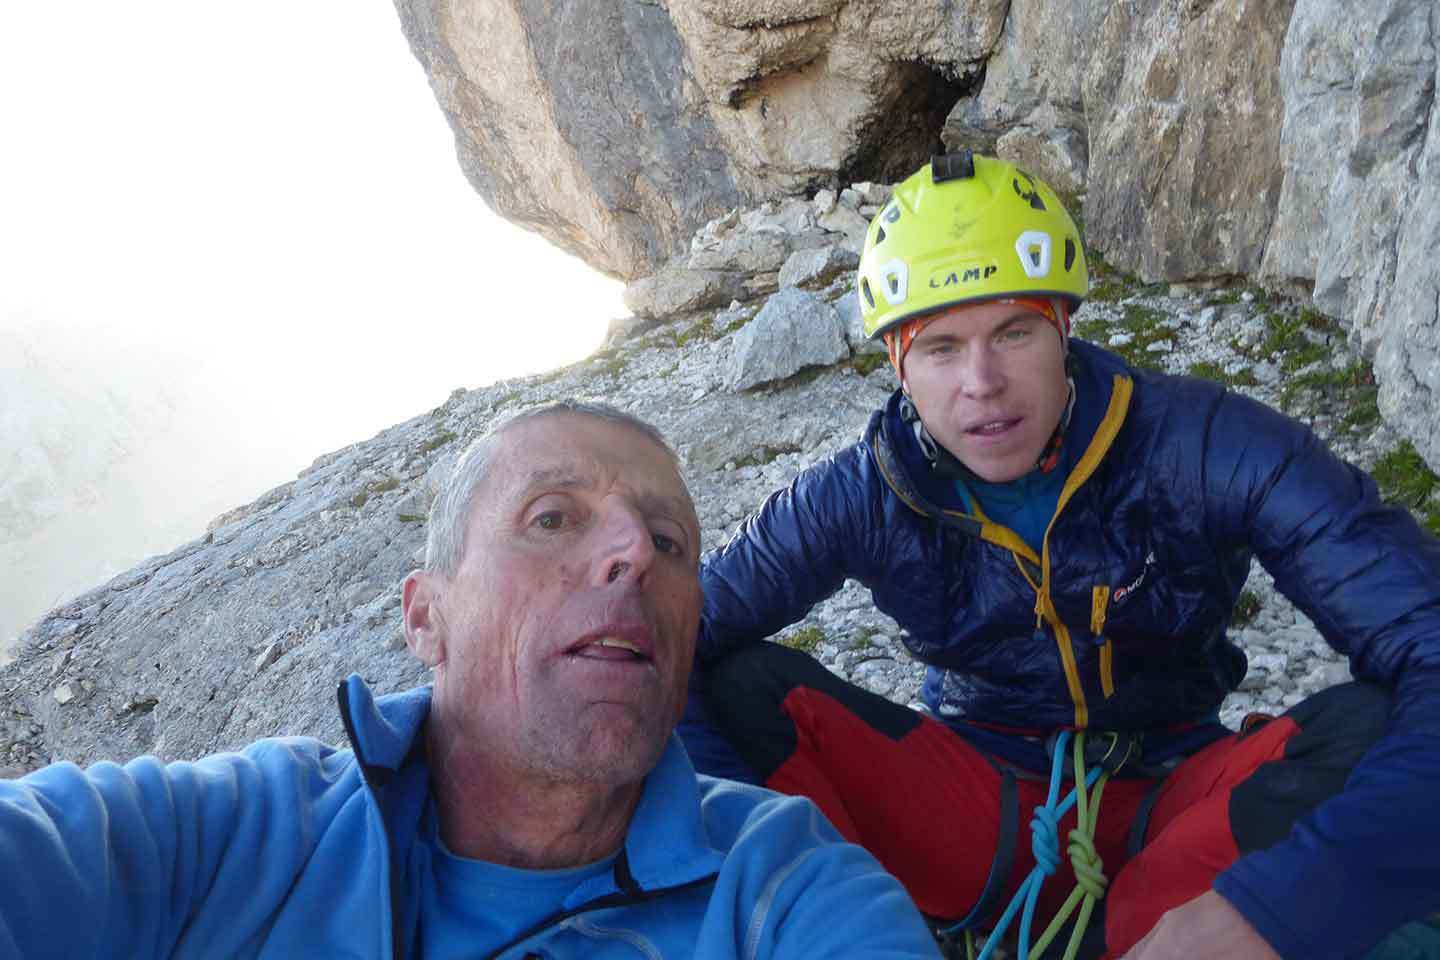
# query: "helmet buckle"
{"points": [[952, 166]]}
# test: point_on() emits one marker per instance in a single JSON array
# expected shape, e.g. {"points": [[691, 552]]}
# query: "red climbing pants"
{"points": [[934, 809]]}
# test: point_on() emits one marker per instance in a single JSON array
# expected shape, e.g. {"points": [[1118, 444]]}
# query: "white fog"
{"points": [[232, 239]]}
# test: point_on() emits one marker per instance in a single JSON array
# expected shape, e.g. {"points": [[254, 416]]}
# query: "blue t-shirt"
{"points": [[1025, 505], [470, 907]]}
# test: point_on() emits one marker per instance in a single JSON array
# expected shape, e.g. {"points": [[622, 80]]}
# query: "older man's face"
{"points": [[570, 625]]}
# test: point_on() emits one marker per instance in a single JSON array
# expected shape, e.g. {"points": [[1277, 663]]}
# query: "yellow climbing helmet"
{"points": [[963, 228]]}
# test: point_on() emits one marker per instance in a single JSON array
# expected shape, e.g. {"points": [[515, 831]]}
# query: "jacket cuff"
{"points": [[1260, 913]]}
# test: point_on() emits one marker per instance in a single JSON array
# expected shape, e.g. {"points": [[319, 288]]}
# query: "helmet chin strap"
{"points": [[948, 465]]}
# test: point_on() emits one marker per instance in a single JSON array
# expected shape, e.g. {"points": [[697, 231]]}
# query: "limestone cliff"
{"points": [[1293, 143]]}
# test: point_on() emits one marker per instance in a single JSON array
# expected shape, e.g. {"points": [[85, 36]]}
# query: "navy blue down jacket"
{"points": [[1120, 622]]}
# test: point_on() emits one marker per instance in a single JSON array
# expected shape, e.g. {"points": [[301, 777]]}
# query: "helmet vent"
{"points": [[1027, 191], [865, 292], [1033, 248], [1069, 253], [880, 234], [896, 275]]}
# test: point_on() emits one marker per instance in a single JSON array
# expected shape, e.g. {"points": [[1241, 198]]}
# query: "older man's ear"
{"points": [[424, 623]]}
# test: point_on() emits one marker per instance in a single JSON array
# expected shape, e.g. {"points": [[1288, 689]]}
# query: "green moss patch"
{"points": [[702, 331], [1237, 294], [437, 441], [1214, 371], [1351, 388], [1405, 479], [766, 454], [864, 640], [1143, 325], [735, 324], [867, 363], [1107, 283], [609, 364], [375, 486], [1247, 607], [806, 639]]}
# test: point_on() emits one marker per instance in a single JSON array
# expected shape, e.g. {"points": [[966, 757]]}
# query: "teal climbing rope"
{"points": [[1090, 877]]}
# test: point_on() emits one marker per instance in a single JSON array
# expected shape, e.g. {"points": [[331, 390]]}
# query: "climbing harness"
{"points": [[1090, 879]]}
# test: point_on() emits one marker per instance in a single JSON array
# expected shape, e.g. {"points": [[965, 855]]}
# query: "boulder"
{"points": [[677, 289], [794, 330], [848, 307], [744, 252], [848, 223], [819, 265]]}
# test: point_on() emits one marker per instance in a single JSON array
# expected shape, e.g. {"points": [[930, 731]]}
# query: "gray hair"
{"points": [[445, 535]]}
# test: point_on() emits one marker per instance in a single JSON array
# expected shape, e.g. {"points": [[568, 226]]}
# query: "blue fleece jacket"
{"points": [[295, 849]]}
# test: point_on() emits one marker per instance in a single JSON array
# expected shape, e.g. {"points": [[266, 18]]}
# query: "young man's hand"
{"points": [[1207, 926]]}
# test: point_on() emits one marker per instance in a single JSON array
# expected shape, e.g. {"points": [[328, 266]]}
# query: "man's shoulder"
{"points": [[747, 819], [1186, 408], [805, 889]]}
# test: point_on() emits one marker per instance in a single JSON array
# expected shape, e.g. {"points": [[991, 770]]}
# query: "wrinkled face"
{"points": [[988, 381], [570, 625]]}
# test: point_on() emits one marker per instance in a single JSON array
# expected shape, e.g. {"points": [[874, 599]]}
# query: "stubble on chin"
{"points": [[602, 743]]}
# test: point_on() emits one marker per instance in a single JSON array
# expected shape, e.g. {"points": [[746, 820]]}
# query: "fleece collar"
{"points": [[665, 846]]}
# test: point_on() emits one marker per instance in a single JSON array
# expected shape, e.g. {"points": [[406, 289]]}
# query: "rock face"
{"points": [[576, 120], [615, 129], [1031, 107], [803, 90], [1366, 224], [89, 475], [245, 631], [1289, 143], [1184, 135]]}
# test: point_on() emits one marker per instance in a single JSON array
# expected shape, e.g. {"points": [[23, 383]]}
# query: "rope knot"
{"points": [[1089, 868], [1045, 842]]}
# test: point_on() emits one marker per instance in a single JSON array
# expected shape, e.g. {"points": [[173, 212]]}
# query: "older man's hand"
{"points": [[1207, 926]]}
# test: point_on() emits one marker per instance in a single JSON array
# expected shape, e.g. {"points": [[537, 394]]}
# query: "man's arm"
{"points": [[798, 549], [802, 892], [125, 861], [1209, 919], [1369, 578]]}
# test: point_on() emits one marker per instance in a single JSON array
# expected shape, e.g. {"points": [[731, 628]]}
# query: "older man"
{"points": [[534, 803]]}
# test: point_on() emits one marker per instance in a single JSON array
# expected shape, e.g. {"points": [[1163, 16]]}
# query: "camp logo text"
{"points": [[962, 276], [1122, 592]]}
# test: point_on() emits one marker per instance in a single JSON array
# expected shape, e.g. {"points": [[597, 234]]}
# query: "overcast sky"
{"points": [[271, 187], [260, 201]]}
